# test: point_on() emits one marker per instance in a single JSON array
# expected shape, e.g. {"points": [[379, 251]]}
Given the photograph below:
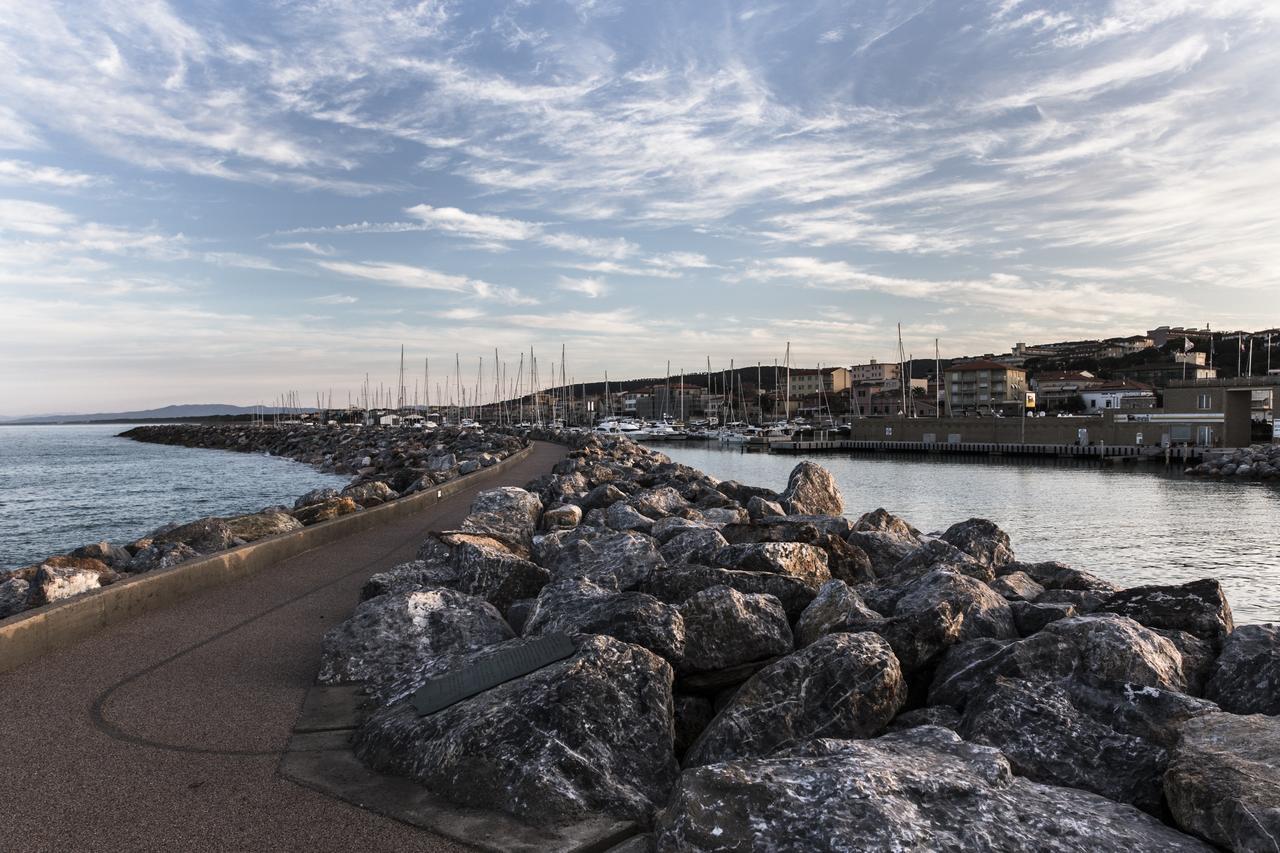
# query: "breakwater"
{"points": [[385, 464], [1258, 462], [754, 670]]}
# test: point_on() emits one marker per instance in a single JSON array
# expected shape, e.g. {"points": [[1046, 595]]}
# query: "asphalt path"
{"points": [[165, 732]]}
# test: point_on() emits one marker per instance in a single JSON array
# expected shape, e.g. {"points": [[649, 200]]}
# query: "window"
{"points": [[1204, 402]]}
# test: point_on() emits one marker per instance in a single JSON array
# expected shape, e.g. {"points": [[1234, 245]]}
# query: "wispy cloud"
{"points": [[592, 288]]}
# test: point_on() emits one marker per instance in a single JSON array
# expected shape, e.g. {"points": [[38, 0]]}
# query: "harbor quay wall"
{"points": [[1136, 428]]}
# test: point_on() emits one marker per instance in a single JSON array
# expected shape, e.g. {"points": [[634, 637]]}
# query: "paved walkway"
{"points": [[164, 733]]}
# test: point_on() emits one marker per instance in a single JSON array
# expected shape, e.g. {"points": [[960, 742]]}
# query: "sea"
{"points": [[66, 486], [1131, 526]]}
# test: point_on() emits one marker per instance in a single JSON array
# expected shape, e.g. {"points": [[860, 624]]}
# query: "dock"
{"points": [[987, 448]]}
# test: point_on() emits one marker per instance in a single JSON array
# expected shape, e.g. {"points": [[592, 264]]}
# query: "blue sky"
{"points": [[220, 201]]}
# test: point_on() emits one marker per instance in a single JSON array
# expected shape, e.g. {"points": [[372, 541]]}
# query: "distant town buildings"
{"points": [[984, 386]]}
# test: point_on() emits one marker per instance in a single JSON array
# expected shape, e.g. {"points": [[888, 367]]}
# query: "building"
{"points": [[1059, 389], [1161, 335], [1161, 374], [875, 371], [1125, 394], [985, 386], [828, 380]]}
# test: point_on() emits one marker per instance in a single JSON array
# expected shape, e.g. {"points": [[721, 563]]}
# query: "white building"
{"points": [[1125, 394]]}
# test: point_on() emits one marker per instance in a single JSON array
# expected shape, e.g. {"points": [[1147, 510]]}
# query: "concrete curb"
{"points": [[27, 635], [319, 757]]}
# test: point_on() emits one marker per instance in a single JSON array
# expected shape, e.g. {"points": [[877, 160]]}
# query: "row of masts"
{"points": [[508, 394]]}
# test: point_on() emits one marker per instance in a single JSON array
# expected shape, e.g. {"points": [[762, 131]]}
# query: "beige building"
{"points": [[984, 385], [875, 371], [829, 380]]}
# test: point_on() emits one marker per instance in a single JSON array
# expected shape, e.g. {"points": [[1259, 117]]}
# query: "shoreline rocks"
{"points": [[387, 462], [825, 684]]}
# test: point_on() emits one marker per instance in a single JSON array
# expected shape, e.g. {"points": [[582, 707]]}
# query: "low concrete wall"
{"points": [[27, 635]]}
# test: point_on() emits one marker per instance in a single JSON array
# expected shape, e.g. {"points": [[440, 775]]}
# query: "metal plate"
{"points": [[498, 668]]}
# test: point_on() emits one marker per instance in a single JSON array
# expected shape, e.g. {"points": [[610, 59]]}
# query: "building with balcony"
{"points": [[875, 371], [985, 386]]}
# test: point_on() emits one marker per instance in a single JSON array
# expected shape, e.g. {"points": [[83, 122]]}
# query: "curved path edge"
{"points": [[32, 633]]}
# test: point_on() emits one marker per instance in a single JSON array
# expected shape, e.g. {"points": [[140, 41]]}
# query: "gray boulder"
{"points": [[371, 494], [1223, 782], [483, 566], [409, 577], [14, 594], [811, 490], [603, 496], [982, 611], [316, 496], [935, 554], [507, 514], [563, 517], [1200, 608], [615, 560], [694, 545], [836, 609], [578, 606], [1245, 679], [1084, 600], [666, 529], [759, 507], [806, 563], [676, 583], [1096, 650], [919, 789], [1017, 586], [204, 536], [622, 516], [1054, 575], [844, 685], [1048, 739], [386, 636], [115, 556], [154, 558], [587, 735], [982, 540], [724, 628], [260, 525], [882, 521], [1031, 617], [884, 550], [657, 503]]}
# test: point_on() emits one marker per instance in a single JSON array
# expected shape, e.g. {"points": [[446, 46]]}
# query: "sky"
{"points": [[221, 201]]}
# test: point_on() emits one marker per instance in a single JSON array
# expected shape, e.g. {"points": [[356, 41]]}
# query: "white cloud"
{"points": [[454, 221], [399, 275], [334, 299], [29, 174], [592, 288], [305, 246]]}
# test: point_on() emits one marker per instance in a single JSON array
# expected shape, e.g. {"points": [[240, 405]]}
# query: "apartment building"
{"points": [[984, 386]]}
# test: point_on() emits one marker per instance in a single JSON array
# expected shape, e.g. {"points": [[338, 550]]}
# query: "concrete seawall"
{"points": [[32, 633]]}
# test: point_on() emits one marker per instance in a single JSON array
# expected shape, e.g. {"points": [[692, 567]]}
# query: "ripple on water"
{"points": [[65, 486]]}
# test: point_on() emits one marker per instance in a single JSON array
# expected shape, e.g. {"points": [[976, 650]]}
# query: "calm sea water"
{"points": [[1129, 526], [66, 486]]}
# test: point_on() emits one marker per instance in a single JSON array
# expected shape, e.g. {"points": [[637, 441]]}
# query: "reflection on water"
{"points": [[1129, 525]]}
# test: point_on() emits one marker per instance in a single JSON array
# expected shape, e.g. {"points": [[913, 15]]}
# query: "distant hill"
{"points": [[190, 410]]}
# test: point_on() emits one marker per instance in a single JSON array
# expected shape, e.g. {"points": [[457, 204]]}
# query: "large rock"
{"points": [[590, 734], [386, 636], [844, 685], [316, 496], [325, 511], [846, 562], [1200, 608], [63, 577], [1097, 650], [915, 790], [658, 503], [1031, 617], [14, 594], [931, 555], [115, 556], [563, 517], [620, 561], [885, 550], [882, 521], [371, 494], [1054, 575], [412, 576], [1017, 586], [205, 535], [507, 514], [1048, 739], [622, 516], [724, 628], [982, 540], [260, 525], [983, 612], [836, 609], [578, 606], [811, 490], [695, 545], [156, 557], [602, 496], [676, 583], [1223, 782], [806, 563], [484, 567], [1245, 679], [759, 507]]}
